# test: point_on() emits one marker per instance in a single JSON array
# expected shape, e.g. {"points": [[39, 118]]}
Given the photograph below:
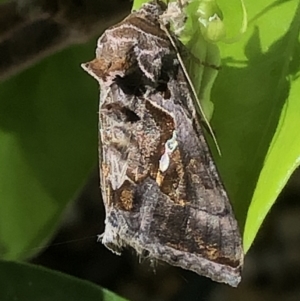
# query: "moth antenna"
{"points": [[192, 87]]}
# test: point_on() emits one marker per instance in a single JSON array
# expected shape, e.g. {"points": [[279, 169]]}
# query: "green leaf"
{"points": [[282, 159], [48, 134], [255, 89], [24, 282]]}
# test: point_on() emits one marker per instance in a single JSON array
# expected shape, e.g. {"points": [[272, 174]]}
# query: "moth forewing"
{"points": [[162, 193]]}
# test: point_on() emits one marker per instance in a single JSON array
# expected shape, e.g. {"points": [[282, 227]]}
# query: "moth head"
{"points": [[152, 10]]}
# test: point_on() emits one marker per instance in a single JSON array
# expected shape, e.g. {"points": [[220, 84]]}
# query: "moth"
{"points": [[162, 193]]}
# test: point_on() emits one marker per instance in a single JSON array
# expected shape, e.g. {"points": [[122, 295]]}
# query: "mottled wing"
{"points": [[197, 229], [162, 193], [181, 215]]}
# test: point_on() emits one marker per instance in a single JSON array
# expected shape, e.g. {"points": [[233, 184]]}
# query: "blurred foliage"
{"points": [[48, 134], [22, 282]]}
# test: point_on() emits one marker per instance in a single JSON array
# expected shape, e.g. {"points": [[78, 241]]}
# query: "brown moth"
{"points": [[161, 190]]}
